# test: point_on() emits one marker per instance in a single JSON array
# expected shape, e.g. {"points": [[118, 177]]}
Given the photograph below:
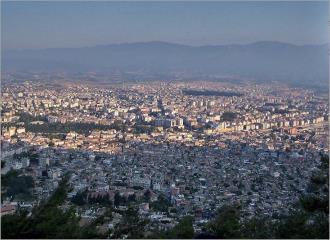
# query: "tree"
{"points": [[101, 200], [130, 226], [147, 195], [183, 230], [11, 225], [47, 220], [226, 224], [15, 185], [119, 200], [131, 198], [228, 116], [257, 228], [80, 198], [311, 218], [162, 204]]}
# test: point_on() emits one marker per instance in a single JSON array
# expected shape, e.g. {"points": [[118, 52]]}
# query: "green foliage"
{"points": [[257, 228], [143, 129], [5, 179], [119, 200], [12, 225], [107, 216], [131, 198], [60, 193], [183, 230], [80, 198], [130, 225], [101, 200], [55, 128], [162, 204], [299, 224], [147, 195], [210, 93], [138, 188], [228, 116], [47, 220], [226, 224], [82, 128], [309, 219], [52, 222], [325, 162], [317, 197], [34, 157], [312, 203], [15, 185]]}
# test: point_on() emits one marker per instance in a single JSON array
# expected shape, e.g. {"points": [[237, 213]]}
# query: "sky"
{"points": [[33, 25]]}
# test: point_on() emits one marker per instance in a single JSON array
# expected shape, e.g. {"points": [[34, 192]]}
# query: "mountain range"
{"points": [[264, 61]]}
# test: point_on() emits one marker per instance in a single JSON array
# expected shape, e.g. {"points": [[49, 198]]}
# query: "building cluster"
{"points": [[199, 151]]}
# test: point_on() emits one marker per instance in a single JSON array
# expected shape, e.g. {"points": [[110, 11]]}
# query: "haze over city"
{"points": [[173, 120]]}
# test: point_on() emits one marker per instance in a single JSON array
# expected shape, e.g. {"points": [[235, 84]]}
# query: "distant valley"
{"points": [[261, 61]]}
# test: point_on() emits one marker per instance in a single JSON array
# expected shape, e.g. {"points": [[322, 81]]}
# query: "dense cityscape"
{"points": [[164, 120], [168, 149]]}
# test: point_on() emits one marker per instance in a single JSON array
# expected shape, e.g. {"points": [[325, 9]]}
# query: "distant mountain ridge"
{"points": [[261, 60]]}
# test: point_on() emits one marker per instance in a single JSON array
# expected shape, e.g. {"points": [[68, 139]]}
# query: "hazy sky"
{"points": [[75, 24]]}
